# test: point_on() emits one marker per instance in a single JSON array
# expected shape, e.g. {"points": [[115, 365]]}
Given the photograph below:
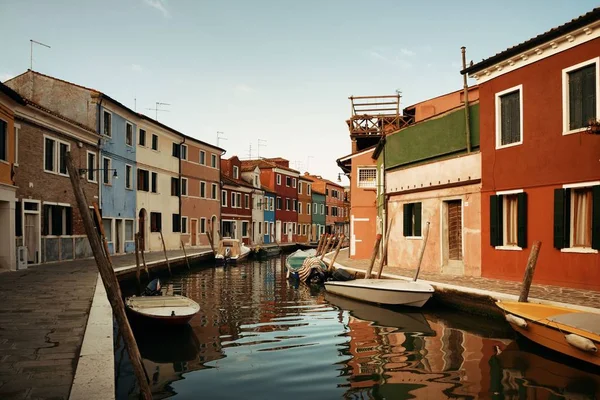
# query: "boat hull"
{"points": [[164, 310], [170, 321], [231, 260], [383, 291]]}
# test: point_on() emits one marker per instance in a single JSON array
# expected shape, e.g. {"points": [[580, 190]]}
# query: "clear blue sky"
{"points": [[277, 70]]}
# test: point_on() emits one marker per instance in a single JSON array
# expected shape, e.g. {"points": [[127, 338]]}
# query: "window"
{"points": [[287, 204], [509, 112], [4, 141], [508, 220], [294, 205], [58, 220], [176, 223], [176, 150], [244, 228], [183, 152], [326, 210], [184, 224], [213, 161], [213, 193], [308, 210], [238, 200], [128, 134], [106, 167], [288, 181], [55, 152], [106, 123], [299, 187], [266, 228], [259, 227], [142, 137], [278, 179], [91, 167], [223, 198], [175, 186], [272, 203], [412, 220], [233, 205], [299, 207], [326, 192], [256, 181], [203, 189], [315, 209], [580, 95], [128, 177], [294, 182], [107, 225], [143, 180], [155, 222], [279, 203], [303, 230], [154, 142], [154, 182], [236, 172], [367, 177], [202, 157], [129, 230], [246, 201], [322, 209], [202, 225], [308, 188], [577, 217], [184, 183]]}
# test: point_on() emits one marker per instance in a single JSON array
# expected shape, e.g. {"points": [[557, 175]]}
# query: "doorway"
{"points": [[194, 231], [32, 231], [452, 237], [142, 228], [118, 236], [278, 231]]}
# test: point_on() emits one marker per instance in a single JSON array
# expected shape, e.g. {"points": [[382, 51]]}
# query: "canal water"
{"points": [[258, 336]]}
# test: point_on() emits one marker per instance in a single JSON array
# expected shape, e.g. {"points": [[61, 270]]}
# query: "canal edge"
{"points": [[95, 372]]}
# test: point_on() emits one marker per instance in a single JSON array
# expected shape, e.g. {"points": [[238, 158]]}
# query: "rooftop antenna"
{"points": [[31, 51], [308, 162], [220, 136], [250, 152], [156, 109], [260, 144]]}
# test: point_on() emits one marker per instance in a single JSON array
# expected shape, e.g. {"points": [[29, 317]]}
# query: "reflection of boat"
{"points": [[173, 345], [381, 316], [266, 251], [571, 332], [305, 267], [169, 310], [536, 371], [383, 291], [231, 250]]}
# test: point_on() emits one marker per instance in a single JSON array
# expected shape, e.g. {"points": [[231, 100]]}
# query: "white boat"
{"points": [[170, 310], [231, 250], [383, 291]]}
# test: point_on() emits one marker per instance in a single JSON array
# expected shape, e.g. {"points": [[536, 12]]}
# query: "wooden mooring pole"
{"points": [[185, 255], [137, 261], [162, 239], [373, 256], [337, 251], [319, 244], [144, 258], [529, 270], [209, 235], [109, 279], [326, 246]]}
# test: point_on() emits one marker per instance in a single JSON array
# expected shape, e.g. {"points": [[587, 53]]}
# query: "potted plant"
{"points": [[594, 126]]}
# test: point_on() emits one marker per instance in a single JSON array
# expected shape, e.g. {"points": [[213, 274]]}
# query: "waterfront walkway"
{"points": [[576, 297]]}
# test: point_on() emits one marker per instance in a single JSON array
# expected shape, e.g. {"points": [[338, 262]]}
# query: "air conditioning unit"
{"points": [[21, 257]]}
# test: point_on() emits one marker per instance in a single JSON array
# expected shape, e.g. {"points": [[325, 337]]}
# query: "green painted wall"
{"points": [[431, 139]]}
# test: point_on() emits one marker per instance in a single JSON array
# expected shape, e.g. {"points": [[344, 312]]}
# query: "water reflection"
{"points": [[259, 337]]}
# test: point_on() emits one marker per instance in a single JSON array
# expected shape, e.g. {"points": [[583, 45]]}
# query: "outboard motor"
{"points": [[153, 288]]}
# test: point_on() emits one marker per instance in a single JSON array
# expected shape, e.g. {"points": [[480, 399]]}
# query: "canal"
{"points": [[258, 336]]}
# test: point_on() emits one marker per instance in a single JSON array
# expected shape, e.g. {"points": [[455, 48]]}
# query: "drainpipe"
{"points": [[180, 188], [384, 212], [466, 94]]}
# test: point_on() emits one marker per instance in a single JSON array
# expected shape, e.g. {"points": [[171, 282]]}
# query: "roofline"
{"points": [[441, 95], [12, 94], [347, 157], [545, 37]]}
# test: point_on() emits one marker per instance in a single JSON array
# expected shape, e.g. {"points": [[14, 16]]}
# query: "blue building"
{"points": [[269, 218]]}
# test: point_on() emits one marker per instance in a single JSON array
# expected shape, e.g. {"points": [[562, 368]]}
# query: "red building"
{"points": [[236, 201], [540, 164], [277, 176]]}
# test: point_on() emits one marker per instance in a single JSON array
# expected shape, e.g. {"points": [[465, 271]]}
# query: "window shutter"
{"points": [[176, 223], [575, 101], [407, 219], [417, 208], [494, 220], [589, 94], [18, 219], [596, 217], [522, 220], [69, 219], [560, 196]]}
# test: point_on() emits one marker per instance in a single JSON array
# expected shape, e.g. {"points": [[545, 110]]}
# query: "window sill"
{"points": [[413, 237], [572, 131], [504, 146], [582, 250], [511, 248], [129, 189]]}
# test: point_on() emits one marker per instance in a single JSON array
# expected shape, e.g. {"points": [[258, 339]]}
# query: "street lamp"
{"points": [[83, 171]]}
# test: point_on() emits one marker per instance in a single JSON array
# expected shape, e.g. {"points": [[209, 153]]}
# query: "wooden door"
{"points": [[455, 230], [194, 232]]}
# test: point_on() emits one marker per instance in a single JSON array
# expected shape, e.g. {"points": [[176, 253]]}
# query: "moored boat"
{"points": [[169, 310], [383, 291], [305, 267], [231, 251], [264, 251], [571, 332]]}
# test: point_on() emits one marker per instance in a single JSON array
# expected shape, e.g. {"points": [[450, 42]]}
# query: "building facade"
{"points": [[304, 210], [251, 175], [317, 215], [334, 202], [269, 216], [540, 169], [236, 202]]}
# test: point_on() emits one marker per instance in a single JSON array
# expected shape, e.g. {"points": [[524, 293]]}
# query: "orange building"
{"points": [[304, 209]]}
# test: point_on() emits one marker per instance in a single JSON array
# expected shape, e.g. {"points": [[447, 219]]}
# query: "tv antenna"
{"points": [[156, 109], [31, 51], [250, 152], [260, 144], [220, 136], [308, 162]]}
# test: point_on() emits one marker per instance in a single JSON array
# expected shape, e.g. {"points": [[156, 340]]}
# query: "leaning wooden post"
{"points": [[185, 255], [137, 259], [324, 250], [209, 235], [529, 270], [422, 252], [319, 245], [165, 252], [373, 256], [144, 259], [101, 229], [109, 279], [337, 251]]}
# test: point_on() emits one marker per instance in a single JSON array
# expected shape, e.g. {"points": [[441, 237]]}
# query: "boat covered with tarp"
{"points": [[303, 265]]}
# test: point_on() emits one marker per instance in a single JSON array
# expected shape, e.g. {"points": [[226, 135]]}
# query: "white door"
{"points": [[278, 231], [32, 237], [289, 232]]}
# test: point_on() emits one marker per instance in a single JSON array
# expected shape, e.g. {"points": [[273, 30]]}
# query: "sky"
{"points": [[276, 70]]}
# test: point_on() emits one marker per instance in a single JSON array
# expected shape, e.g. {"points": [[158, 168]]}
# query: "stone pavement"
{"points": [[579, 297]]}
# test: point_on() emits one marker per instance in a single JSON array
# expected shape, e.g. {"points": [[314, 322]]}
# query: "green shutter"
{"points": [[596, 217], [407, 216], [522, 220], [417, 209], [495, 220], [560, 196]]}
